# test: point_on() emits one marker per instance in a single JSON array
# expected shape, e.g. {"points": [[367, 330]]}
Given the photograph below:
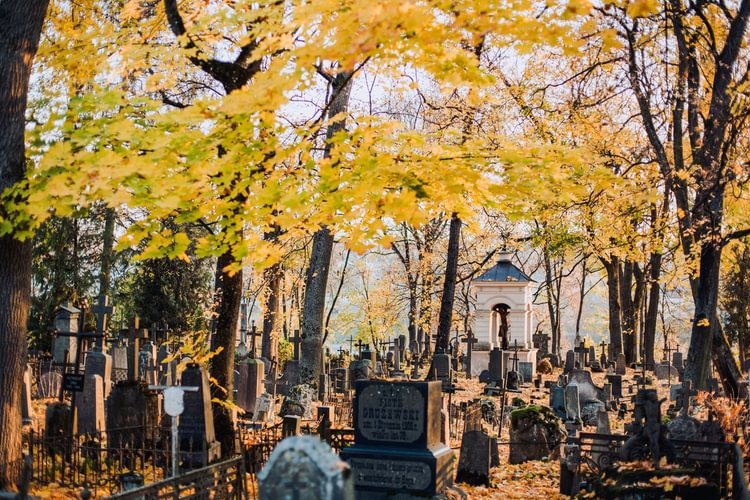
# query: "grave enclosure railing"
{"points": [[223, 480], [100, 461], [720, 462]]}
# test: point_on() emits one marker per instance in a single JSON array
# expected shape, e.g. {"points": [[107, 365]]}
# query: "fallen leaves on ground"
{"points": [[535, 479]]}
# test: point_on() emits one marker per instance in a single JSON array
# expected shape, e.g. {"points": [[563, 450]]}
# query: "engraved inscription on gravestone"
{"points": [[391, 473], [391, 413]]}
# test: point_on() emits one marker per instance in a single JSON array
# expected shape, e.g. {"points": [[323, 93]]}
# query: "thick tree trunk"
{"points": [[313, 311], [228, 295], [20, 28], [613, 289], [449, 286], [314, 307], [652, 311]]}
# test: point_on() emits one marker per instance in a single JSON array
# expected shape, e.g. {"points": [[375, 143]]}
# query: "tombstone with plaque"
{"points": [[397, 448]]}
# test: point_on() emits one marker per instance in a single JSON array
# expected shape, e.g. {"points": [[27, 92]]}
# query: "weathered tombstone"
{"points": [[48, 385], [535, 433], [557, 401], [341, 380], [600, 447], [677, 361], [249, 383], [57, 426], [360, 369], [263, 408], [590, 409], [620, 364], [90, 406], [305, 468], [591, 354], [99, 363], [475, 458], [442, 369], [397, 448], [525, 369], [570, 361], [665, 371], [496, 366], [119, 362], [299, 401], [616, 382], [167, 369], [132, 415], [196, 427], [64, 347], [27, 411], [572, 403]]}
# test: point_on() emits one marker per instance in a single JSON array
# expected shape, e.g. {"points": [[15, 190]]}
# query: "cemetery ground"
{"points": [[532, 478]]}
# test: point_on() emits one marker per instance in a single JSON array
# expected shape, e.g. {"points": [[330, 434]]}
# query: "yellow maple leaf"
{"points": [[642, 8]]}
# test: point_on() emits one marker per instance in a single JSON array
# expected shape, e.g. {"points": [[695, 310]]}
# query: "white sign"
{"points": [[173, 402]]}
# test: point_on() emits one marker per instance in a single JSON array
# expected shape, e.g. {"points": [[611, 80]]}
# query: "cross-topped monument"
{"points": [[103, 311], [469, 340], [295, 340], [254, 333], [136, 334]]}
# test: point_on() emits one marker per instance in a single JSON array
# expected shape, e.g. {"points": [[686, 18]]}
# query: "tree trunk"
{"points": [[228, 295], [20, 28], [625, 278], [313, 311], [553, 302], [272, 313], [314, 307], [108, 252], [613, 289], [652, 312], [449, 286]]}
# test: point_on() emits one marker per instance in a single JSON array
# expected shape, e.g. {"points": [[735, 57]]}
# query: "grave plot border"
{"points": [[714, 459], [225, 480]]}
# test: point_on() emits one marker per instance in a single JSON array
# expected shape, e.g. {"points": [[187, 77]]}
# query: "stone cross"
{"points": [[135, 335], [296, 340], [255, 333], [360, 345], [470, 340], [582, 352], [351, 345], [603, 359], [103, 312], [515, 355], [684, 398]]}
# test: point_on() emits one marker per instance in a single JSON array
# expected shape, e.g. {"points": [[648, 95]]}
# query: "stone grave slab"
{"points": [[90, 406], [397, 447], [526, 369], [249, 383], [665, 371], [196, 427]]}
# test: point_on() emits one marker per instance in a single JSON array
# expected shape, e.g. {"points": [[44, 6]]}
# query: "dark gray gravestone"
{"points": [[616, 381], [99, 363], [665, 371], [572, 403], [90, 405], [570, 361], [496, 366], [526, 369], [557, 401], [66, 320], [360, 369], [249, 383], [475, 459], [305, 468], [397, 447], [442, 369], [27, 411], [677, 361], [132, 415], [197, 436], [591, 355], [341, 380]]}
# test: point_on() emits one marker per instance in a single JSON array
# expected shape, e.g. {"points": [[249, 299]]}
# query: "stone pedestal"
{"points": [[397, 449]]}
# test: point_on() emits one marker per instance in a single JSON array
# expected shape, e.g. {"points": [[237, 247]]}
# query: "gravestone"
{"points": [[147, 369], [57, 423], [263, 408], [132, 414], [27, 411], [397, 447], [592, 355], [496, 366], [587, 391], [600, 447], [196, 427], [66, 321], [442, 369], [341, 380], [99, 363], [119, 362], [525, 369], [475, 458], [616, 382], [572, 403], [677, 362], [620, 364], [167, 369], [360, 369], [557, 401], [249, 383], [90, 406], [305, 468], [570, 361], [665, 371], [48, 385]]}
